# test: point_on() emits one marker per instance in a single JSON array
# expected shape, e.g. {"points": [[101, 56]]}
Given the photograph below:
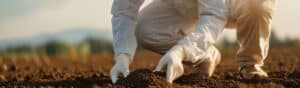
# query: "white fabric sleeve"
{"points": [[198, 44], [124, 19]]}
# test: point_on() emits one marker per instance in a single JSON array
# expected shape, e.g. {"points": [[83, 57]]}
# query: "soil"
{"points": [[282, 66]]}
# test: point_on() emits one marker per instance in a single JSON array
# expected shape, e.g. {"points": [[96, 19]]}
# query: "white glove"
{"points": [[121, 66], [173, 59]]}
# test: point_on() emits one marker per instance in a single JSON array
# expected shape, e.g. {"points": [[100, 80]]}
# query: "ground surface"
{"points": [[283, 66]]}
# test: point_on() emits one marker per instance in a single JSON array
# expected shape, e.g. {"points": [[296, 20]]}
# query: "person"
{"points": [[185, 31]]}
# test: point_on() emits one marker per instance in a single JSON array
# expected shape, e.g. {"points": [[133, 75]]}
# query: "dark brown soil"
{"points": [[283, 66], [143, 78]]}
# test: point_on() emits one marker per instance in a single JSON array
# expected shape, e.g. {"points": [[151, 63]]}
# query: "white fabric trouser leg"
{"points": [[253, 29]]}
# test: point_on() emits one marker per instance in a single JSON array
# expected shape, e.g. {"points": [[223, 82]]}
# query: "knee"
{"points": [[155, 41]]}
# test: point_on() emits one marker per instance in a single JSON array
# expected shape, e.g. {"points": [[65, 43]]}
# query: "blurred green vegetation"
{"points": [[285, 42], [94, 45], [275, 41], [55, 48]]}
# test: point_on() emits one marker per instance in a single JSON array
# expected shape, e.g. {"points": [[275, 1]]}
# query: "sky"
{"points": [[25, 18]]}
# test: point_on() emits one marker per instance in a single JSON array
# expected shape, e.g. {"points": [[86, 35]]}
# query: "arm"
{"points": [[198, 44], [124, 19], [212, 20]]}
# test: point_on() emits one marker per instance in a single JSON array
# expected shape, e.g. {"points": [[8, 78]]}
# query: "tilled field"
{"points": [[283, 66]]}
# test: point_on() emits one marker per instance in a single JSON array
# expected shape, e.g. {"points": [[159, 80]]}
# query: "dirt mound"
{"points": [[216, 81], [144, 78]]}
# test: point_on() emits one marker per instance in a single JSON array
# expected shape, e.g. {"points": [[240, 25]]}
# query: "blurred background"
{"points": [[79, 28], [44, 41]]}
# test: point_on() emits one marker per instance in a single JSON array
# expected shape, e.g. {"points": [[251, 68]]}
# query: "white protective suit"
{"points": [[195, 28]]}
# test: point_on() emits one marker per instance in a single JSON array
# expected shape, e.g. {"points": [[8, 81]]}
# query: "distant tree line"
{"points": [[88, 46], [274, 41], [287, 42], [94, 45]]}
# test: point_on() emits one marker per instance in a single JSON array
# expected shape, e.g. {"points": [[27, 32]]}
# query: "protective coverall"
{"points": [[194, 25]]}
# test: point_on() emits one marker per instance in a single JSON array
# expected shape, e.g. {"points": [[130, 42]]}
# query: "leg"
{"points": [[253, 31], [159, 27]]}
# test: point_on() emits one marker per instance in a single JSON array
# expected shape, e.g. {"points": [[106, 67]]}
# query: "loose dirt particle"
{"points": [[4, 68], [2, 78], [13, 68]]}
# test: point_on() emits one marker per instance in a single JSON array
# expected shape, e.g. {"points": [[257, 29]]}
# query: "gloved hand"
{"points": [[121, 66], [173, 59]]}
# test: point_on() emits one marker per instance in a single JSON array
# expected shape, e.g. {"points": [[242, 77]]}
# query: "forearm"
{"points": [[198, 43], [212, 19], [125, 14]]}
